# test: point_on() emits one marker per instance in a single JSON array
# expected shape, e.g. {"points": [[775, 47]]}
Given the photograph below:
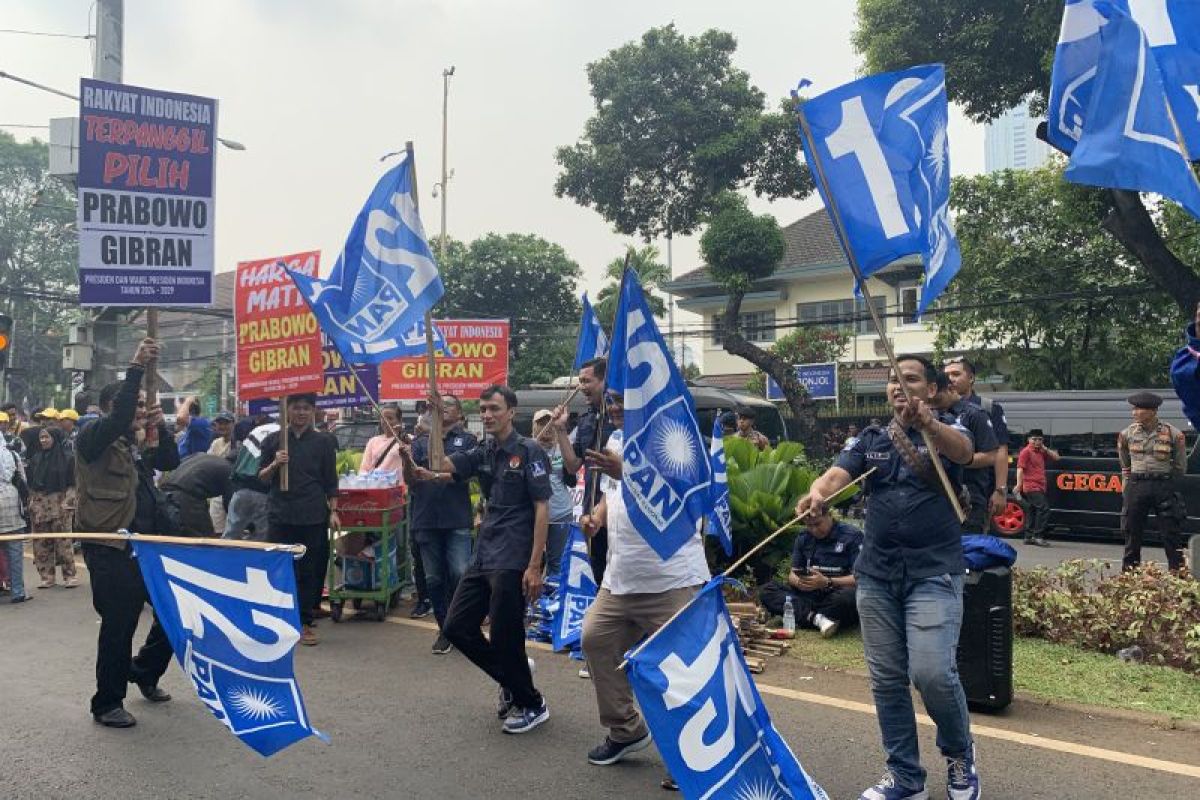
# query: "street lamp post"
{"points": [[442, 186]]}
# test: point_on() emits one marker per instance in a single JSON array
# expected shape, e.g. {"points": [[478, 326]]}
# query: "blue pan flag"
{"points": [[592, 342], [373, 304], [720, 521], [667, 472], [233, 620], [576, 591], [1130, 139], [882, 144], [705, 713], [1172, 29]]}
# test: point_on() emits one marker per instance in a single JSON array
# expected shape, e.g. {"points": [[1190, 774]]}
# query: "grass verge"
{"points": [[1050, 672]]}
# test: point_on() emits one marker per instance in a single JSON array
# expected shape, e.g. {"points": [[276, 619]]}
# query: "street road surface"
{"points": [[408, 724]]}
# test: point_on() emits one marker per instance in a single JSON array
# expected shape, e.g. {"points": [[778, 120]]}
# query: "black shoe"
{"points": [[25, 598], [423, 608], [442, 646], [153, 693], [669, 784], [116, 718], [1037, 541], [610, 752]]}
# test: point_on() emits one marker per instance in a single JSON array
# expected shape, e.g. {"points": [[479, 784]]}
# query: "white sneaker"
{"points": [[584, 673], [825, 625]]}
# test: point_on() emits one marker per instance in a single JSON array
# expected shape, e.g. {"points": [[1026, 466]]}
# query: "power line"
{"points": [[50, 34]]}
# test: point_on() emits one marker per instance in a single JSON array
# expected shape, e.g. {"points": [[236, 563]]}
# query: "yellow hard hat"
{"points": [[47, 413], [69, 413], [3, 417]]}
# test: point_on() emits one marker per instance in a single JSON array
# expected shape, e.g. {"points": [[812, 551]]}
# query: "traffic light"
{"points": [[6, 326]]}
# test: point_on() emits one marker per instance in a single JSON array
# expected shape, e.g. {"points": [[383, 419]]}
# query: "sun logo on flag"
{"points": [[939, 152], [254, 704], [759, 789], [675, 449]]}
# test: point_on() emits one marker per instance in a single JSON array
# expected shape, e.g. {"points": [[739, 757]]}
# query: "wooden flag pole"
{"points": [[436, 446], [150, 376], [296, 549], [743, 560], [852, 259], [284, 435]]}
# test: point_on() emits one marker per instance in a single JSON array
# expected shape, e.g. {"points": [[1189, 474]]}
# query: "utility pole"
{"points": [[446, 75]]}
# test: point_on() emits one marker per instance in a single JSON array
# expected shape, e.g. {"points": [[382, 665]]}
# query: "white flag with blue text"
{"points": [[576, 591], [667, 472], [881, 142], [372, 305], [233, 620]]}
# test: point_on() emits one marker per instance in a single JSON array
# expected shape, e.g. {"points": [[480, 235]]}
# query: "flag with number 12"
{"points": [[881, 144]]}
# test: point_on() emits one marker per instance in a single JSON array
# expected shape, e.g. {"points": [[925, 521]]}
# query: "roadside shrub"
{"points": [[1094, 606]]}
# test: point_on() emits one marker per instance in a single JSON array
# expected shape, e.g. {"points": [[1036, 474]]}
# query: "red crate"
{"points": [[364, 508]]}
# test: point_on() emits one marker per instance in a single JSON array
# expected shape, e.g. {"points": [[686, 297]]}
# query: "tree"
{"points": [[810, 345], [651, 273], [525, 279], [740, 248], [1042, 285], [676, 124], [38, 257], [997, 55]]}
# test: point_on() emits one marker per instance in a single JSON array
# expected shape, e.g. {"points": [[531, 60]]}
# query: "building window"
{"points": [[756, 326], [842, 315], [910, 296]]}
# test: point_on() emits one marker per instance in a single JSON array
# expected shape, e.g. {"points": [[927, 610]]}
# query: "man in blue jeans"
{"points": [[440, 515], [910, 580]]}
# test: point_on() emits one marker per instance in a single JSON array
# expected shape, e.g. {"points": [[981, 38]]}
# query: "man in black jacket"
{"points": [[114, 476]]}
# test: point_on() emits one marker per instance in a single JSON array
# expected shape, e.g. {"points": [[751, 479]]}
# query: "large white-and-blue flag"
{"points": [[373, 304], [592, 342], [1172, 29], [232, 618], [576, 591], [1130, 139], [667, 472], [881, 142], [720, 521], [705, 713]]}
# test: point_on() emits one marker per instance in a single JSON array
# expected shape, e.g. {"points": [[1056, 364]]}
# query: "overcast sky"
{"points": [[319, 90]]}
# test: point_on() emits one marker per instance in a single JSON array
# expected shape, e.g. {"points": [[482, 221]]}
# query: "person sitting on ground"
{"points": [[821, 582], [51, 473], [746, 430]]}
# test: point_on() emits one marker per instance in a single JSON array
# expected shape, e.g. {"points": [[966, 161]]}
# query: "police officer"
{"points": [[506, 571], [910, 580], [821, 582], [1153, 459], [974, 490]]}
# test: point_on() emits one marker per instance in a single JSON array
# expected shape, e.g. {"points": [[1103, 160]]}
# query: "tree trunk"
{"points": [[804, 408], [1131, 224]]}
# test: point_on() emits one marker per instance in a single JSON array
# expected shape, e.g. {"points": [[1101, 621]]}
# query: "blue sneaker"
{"points": [[887, 789], [523, 720], [962, 779]]}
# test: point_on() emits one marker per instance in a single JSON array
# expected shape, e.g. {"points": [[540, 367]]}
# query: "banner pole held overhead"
{"points": [[436, 448], [284, 434]]}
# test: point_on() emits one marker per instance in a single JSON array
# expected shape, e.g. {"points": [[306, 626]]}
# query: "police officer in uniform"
{"points": [[974, 493], [1153, 459], [506, 570], [910, 580], [821, 582]]}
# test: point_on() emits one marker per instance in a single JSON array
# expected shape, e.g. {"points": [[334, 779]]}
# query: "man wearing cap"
{"points": [[1031, 485], [68, 418], [746, 430], [45, 418], [1153, 459]]}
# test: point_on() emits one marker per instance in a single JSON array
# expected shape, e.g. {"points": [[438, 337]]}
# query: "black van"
{"points": [[711, 401], [1084, 486]]}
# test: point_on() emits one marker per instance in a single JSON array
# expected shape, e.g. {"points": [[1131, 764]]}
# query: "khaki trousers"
{"points": [[614, 624]]}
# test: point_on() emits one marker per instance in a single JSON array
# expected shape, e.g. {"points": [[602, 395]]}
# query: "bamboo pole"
{"points": [[284, 435], [633, 653], [852, 259], [150, 376], [295, 549], [436, 447]]}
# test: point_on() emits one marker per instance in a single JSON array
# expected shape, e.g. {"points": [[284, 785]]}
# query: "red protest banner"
{"points": [[477, 357], [278, 338]]}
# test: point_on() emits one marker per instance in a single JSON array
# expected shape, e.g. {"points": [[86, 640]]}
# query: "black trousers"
{"points": [[118, 595], [418, 566], [836, 604], [978, 519], [311, 567], [1039, 515], [1141, 498], [194, 519], [495, 593]]}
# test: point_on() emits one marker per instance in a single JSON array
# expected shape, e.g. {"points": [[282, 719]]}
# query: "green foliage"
{"points": [[1091, 605], [739, 246], [651, 272], [348, 461], [1027, 236], [523, 278], [675, 124], [810, 346], [996, 54], [763, 489]]}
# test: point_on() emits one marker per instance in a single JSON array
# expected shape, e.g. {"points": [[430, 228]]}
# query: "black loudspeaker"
{"points": [[985, 644]]}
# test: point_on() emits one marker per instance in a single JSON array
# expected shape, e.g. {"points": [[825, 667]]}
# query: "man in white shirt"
{"points": [[640, 592]]}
